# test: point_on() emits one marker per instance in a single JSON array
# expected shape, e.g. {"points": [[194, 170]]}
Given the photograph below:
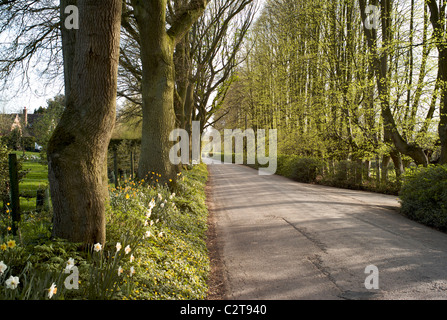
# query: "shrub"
{"points": [[306, 169], [424, 196], [284, 164]]}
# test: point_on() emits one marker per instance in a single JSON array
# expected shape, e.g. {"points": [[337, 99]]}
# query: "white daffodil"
{"points": [[12, 282], [97, 247], [120, 271], [160, 234], [148, 234], [70, 264], [118, 246], [3, 267], [162, 205], [145, 223], [127, 249], [132, 258], [132, 271], [52, 291], [152, 204], [149, 212], [160, 196]]}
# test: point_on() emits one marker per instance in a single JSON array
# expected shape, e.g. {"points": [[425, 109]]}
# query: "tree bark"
{"points": [[438, 21], [157, 58], [77, 150]]}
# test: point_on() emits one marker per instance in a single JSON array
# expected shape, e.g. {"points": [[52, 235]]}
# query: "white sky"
{"points": [[36, 95]]}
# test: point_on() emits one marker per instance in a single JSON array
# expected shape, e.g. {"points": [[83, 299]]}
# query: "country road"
{"points": [[280, 239]]}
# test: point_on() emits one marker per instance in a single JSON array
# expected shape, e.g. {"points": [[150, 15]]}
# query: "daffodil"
{"points": [[97, 247], [12, 282], [3, 246], [127, 249], [11, 244], [120, 271], [70, 264], [127, 196], [3, 267], [52, 291], [132, 258], [132, 271], [118, 246]]}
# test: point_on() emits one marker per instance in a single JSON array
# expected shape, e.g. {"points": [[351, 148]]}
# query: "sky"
{"points": [[18, 96], [32, 98]]}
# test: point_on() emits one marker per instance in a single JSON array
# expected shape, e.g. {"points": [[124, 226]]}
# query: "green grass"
{"points": [[166, 233], [37, 177]]}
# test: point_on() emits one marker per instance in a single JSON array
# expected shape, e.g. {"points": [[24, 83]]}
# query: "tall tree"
{"points": [[380, 65], [158, 79], [438, 20], [77, 150]]}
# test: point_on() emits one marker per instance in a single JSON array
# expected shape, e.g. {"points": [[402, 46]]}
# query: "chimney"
{"points": [[25, 117]]}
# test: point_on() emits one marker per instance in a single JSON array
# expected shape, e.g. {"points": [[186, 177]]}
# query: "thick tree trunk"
{"points": [[438, 21], [77, 151], [157, 58], [442, 129]]}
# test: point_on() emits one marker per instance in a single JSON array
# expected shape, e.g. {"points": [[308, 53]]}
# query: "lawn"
{"points": [[37, 177]]}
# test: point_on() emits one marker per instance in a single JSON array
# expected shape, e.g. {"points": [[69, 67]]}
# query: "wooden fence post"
{"points": [[131, 165], [115, 168], [14, 187]]}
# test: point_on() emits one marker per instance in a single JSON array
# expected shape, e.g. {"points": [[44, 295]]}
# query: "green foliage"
{"points": [[47, 122], [342, 174], [424, 196], [162, 251], [4, 171], [306, 169]]}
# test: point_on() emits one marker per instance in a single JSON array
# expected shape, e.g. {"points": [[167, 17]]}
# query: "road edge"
{"points": [[217, 287]]}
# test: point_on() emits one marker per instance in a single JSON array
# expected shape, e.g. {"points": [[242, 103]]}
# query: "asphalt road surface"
{"points": [[281, 239]]}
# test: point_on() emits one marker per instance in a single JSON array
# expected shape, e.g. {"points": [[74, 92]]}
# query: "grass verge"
{"points": [[155, 249]]}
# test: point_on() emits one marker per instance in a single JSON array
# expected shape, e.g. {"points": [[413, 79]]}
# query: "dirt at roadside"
{"points": [[216, 280]]}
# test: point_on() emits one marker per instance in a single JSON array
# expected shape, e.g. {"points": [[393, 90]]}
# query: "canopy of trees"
{"points": [[347, 79]]}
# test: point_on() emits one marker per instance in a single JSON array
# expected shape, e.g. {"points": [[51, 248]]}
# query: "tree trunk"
{"points": [[380, 65], [77, 150], [157, 50], [157, 58], [438, 21]]}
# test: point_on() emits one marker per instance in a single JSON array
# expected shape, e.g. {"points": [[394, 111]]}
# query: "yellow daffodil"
{"points": [[11, 244]]}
